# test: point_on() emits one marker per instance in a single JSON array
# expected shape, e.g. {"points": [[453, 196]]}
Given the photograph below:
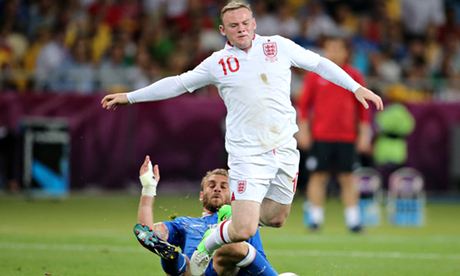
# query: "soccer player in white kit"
{"points": [[252, 74]]}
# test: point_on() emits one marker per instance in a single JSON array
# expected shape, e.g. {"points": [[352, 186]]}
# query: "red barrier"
{"points": [[184, 135]]}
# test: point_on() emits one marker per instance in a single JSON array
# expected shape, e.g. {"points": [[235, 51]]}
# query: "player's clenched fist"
{"points": [[111, 101]]}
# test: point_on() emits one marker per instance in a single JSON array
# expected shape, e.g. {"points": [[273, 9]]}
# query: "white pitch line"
{"points": [[364, 254], [277, 252], [375, 239], [69, 247]]}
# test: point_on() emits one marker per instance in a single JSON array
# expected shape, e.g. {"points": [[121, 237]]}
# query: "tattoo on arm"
{"points": [[161, 230]]}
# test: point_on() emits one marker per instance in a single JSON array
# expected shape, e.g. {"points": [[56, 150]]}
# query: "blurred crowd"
{"points": [[409, 50]]}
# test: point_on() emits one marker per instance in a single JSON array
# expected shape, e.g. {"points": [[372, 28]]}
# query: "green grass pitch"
{"points": [[92, 235]]}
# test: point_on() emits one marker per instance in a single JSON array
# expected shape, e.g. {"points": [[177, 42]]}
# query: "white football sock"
{"points": [[316, 214], [218, 237], [249, 257], [352, 216]]}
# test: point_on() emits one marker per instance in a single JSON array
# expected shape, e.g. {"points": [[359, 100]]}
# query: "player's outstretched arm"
{"points": [[363, 94], [149, 178], [333, 73], [111, 101], [166, 88]]}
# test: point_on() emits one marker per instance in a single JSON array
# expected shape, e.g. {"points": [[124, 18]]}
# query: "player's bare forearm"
{"points": [[145, 215], [303, 136], [145, 211]]}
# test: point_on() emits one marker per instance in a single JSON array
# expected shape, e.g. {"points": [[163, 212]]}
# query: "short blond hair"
{"points": [[205, 178], [234, 5]]}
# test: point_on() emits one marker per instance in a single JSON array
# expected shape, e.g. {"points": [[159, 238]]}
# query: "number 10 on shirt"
{"points": [[231, 63]]}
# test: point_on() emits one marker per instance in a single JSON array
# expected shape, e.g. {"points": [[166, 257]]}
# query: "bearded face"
{"points": [[216, 192]]}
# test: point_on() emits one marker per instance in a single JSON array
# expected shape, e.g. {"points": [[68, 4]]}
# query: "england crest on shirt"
{"points": [[270, 51], [241, 186]]}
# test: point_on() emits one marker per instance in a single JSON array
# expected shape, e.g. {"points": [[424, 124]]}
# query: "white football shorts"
{"points": [[272, 174]]}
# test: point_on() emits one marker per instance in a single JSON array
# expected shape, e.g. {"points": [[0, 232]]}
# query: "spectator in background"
{"points": [[176, 14], [113, 73], [41, 13], [393, 41], [450, 91], [30, 58], [333, 126], [450, 64], [448, 75], [416, 84], [415, 54], [9, 46], [266, 20], [450, 27], [13, 45], [125, 36], [160, 43], [318, 22], [346, 20], [115, 13], [77, 73], [364, 43], [288, 25], [433, 50], [185, 47], [384, 68], [14, 13], [374, 25], [144, 71], [418, 15], [50, 57], [101, 38]]}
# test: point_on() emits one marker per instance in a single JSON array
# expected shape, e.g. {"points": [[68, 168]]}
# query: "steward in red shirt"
{"points": [[333, 126]]}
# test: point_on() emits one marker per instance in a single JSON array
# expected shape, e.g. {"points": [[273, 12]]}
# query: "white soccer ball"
{"points": [[288, 274]]}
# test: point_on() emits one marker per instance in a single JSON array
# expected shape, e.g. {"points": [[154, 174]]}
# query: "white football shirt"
{"points": [[255, 87]]}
